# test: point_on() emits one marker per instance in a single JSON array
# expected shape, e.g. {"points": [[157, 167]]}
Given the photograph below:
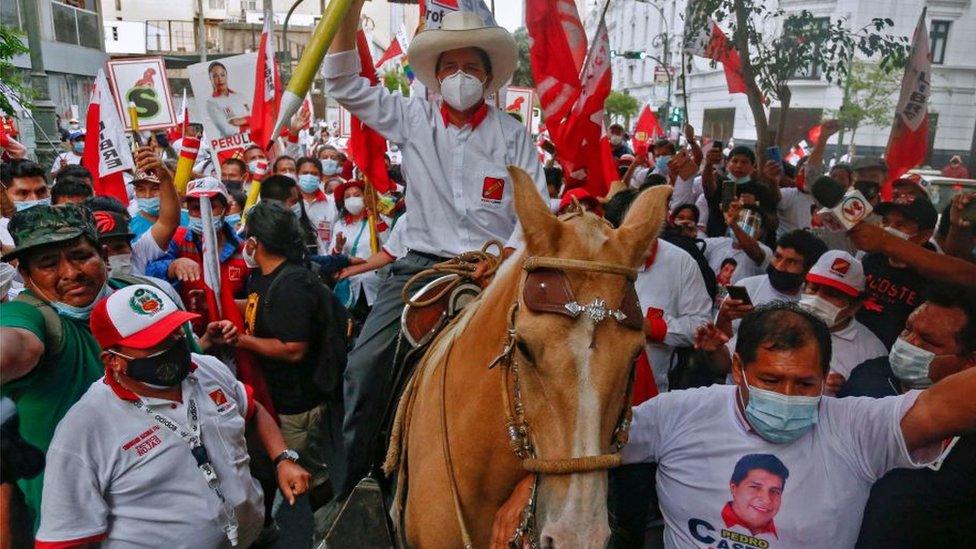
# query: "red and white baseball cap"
{"points": [[138, 316], [839, 270], [206, 186]]}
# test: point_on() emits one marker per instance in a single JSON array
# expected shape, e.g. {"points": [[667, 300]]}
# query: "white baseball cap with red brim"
{"points": [[839, 270], [138, 316], [206, 186]]}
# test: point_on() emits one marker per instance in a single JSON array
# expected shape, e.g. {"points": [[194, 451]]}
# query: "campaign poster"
{"points": [[142, 82], [519, 103], [222, 92]]}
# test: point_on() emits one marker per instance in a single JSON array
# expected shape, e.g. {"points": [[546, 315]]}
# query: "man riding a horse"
{"points": [[460, 194]]}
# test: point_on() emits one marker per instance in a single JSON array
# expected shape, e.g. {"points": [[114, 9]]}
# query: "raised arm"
{"points": [[935, 267], [169, 202], [381, 110], [748, 244], [944, 410]]}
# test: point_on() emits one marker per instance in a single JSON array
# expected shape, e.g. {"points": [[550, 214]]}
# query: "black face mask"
{"points": [[165, 369], [783, 281]]}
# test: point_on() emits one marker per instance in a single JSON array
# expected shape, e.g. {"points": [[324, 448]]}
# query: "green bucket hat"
{"points": [[44, 225]]}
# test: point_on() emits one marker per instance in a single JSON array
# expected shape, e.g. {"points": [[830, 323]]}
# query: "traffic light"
{"points": [[677, 117], [613, 53], [634, 54]]}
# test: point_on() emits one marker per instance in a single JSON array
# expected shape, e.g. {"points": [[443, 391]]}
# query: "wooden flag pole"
{"points": [[370, 198]]}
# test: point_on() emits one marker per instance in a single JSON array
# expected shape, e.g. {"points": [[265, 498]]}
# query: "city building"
{"points": [[170, 29], [656, 30], [71, 47]]}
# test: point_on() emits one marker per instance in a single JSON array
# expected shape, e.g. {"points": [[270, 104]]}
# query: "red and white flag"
{"points": [[107, 153], [803, 149], [712, 43], [647, 129], [267, 88], [582, 153], [367, 147], [392, 52], [557, 51], [909, 138]]}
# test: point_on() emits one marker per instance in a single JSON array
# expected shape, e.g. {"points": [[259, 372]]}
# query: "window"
{"points": [[718, 123], [812, 70], [10, 14], [938, 37], [217, 4], [75, 26]]}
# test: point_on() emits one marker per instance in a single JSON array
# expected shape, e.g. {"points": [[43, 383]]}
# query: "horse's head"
{"points": [[574, 372]]}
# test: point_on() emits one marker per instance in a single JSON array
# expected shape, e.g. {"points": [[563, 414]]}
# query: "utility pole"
{"points": [[43, 110], [201, 32]]}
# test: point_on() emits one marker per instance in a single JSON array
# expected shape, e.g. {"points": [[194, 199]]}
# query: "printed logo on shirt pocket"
{"points": [[220, 400], [492, 190], [144, 442]]}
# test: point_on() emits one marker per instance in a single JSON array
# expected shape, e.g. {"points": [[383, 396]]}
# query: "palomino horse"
{"points": [[565, 384]]}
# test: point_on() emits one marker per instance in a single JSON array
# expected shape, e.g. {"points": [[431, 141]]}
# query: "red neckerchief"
{"points": [[122, 392], [476, 119], [731, 519], [650, 259], [318, 196]]}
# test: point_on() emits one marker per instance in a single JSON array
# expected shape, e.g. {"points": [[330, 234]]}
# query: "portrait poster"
{"points": [[223, 90], [142, 82]]}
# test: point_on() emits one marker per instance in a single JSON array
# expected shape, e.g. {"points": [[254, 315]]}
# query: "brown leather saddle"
{"points": [[419, 324]]}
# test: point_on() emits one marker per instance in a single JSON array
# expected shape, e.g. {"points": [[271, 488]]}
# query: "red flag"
{"points": [[647, 129], [578, 146], [267, 88], [395, 50], [716, 46], [557, 51], [909, 138], [366, 147], [107, 152]]}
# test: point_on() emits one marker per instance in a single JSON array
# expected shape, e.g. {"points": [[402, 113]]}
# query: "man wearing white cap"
{"points": [[154, 454], [834, 292], [455, 154]]}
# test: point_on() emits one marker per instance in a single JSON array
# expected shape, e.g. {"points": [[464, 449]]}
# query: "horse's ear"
{"points": [[644, 221], [539, 226]]}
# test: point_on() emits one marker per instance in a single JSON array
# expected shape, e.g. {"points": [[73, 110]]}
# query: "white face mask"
{"points": [[120, 265], [354, 205], [462, 91], [821, 308]]}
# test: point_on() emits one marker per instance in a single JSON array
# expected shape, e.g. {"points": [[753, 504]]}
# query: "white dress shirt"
{"points": [[674, 284], [459, 194]]}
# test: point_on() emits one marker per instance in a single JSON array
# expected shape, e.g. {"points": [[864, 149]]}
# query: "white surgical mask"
{"points": [[21, 205], [354, 205], [821, 308], [330, 166], [462, 91], [120, 265], [911, 364]]}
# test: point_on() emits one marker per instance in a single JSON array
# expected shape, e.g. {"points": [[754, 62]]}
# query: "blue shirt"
{"points": [[139, 224], [160, 267]]}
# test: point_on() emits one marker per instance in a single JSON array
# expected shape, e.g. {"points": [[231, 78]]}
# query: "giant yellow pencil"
{"points": [[134, 122], [308, 65], [184, 165], [255, 191]]}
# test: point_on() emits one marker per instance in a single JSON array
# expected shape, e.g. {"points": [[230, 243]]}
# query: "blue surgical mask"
{"points": [[233, 219], [296, 209], [911, 364], [741, 180], [78, 147], [661, 164], [780, 418], [21, 205], [330, 166], [308, 182], [195, 224], [81, 313], [149, 205]]}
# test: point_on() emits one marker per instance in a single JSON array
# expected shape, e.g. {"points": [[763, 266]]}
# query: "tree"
{"points": [[523, 70], [869, 98], [621, 105], [806, 46], [395, 80], [11, 45]]}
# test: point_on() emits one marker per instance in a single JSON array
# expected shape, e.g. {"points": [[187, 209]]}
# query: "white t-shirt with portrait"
{"points": [[698, 436], [720, 248]]}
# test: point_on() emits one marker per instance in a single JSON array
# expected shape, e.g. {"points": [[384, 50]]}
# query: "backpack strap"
{"points": [[52, 323]]}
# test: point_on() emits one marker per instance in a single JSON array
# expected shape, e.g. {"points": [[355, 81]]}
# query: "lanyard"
{"points": [[192, 436], [355, 243]]}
